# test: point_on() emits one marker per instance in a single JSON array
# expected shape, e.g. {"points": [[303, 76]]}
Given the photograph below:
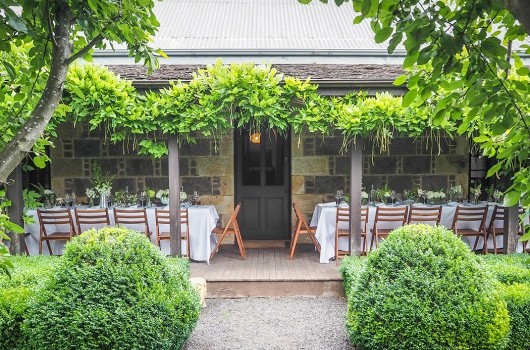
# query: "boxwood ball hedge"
{"points": [[425, 289], [112, 289]]}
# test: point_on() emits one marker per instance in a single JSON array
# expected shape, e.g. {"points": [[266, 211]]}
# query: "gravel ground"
{"points": [[271, 323]]}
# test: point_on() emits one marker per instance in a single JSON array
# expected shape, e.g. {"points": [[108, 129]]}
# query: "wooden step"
{"points": [[245, 289]]}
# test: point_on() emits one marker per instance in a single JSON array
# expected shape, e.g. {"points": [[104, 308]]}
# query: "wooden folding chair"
{"points": [[430, 215], [471, 216], [498, 217], [91, 217], [394, 216], [162, 218], [232, 227], [124, 217], [54, 217], [301, 227]]}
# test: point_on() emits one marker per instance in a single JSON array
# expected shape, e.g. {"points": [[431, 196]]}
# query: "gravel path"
{"points": [[271, 323]]}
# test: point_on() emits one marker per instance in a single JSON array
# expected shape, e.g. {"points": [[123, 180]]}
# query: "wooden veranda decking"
{"points": [[268, 272]]}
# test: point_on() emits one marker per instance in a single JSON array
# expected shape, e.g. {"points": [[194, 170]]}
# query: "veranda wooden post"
{"points": [[356, 171], [174, 197], [511, 223], [16, 210]]}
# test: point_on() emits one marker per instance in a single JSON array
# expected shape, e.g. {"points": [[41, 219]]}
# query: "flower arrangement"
{"points": [[410, 194], [91, 193], [455, 190], [364, 195], [497, 195], [162, 193], [435, 195], [102, 183]]}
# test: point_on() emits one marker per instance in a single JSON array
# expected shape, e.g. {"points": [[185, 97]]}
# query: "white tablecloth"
{"points": [[324, 218], [202, 220]]}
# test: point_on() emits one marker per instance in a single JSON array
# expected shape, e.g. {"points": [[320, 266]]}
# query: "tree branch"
{"points": [[96, 40], [85, 49], [34, 127]]}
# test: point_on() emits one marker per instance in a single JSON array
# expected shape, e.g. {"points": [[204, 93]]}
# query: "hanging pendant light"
{"points": [[255, 137]]}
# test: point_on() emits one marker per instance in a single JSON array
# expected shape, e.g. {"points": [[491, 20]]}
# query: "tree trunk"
{"points": [[520, 9], [34, 127]]}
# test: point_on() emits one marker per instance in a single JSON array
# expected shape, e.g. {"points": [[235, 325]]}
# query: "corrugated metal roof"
{"points": [[259, 25]]}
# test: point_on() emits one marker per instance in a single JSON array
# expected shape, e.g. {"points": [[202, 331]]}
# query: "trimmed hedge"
{"points": [[29, 275], [424, 289], [112, 289], [508, 269], [517, 298]]}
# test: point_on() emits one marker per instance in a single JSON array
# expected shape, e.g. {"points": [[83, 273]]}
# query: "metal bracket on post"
{"points": [[356, 170], [174, 197]]}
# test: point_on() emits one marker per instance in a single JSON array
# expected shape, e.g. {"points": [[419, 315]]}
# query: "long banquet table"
{"points": [[324, 218], [202, 220]]}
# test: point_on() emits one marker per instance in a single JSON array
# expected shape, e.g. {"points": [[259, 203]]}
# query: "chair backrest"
{"points": [[233, 217], [299, 215], [364, 218], [397, 215], [470, 215], [163, 218], [91, 217], [496, 216], [55, 217], [132, 217], [425, 215], [343, 217]]}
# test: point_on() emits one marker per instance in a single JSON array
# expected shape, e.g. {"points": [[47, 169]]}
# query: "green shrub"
{"points": [[350, 269], [27, 278], [424, 289], [517, 298], [112, 289], [508, 269]]}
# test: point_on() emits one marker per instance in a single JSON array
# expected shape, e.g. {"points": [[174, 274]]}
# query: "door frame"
{"points": [[288, 169]]}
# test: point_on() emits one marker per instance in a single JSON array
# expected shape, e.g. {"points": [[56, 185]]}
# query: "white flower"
{"points": [[91, 193], [104, 187], [162, 193], [456, 189], [364, 195], [387, 194], [48, 192], [183, 196], [435, 195]]}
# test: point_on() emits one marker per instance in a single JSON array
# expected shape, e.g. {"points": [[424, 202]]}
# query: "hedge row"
{"points": [[425, 289], [112, 289]]}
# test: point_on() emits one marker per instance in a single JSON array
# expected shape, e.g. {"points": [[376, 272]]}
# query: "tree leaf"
{"points": [[511, 198], [400, 80], [383, 34]]}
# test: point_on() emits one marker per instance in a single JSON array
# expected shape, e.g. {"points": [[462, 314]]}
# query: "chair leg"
{"points": [[494, 242], [295, 240], [485, 247], [219, 242], [239, 239], [49, 247], [372, 241], [40, 246]]}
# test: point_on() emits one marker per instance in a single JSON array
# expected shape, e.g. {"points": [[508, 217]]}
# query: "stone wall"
{"points": [[206, 167], [319, 168]]}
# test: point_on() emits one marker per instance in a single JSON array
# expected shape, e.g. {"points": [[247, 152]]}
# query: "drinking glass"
{"points": [[338, 197], [393, 196], [424, 196]]}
